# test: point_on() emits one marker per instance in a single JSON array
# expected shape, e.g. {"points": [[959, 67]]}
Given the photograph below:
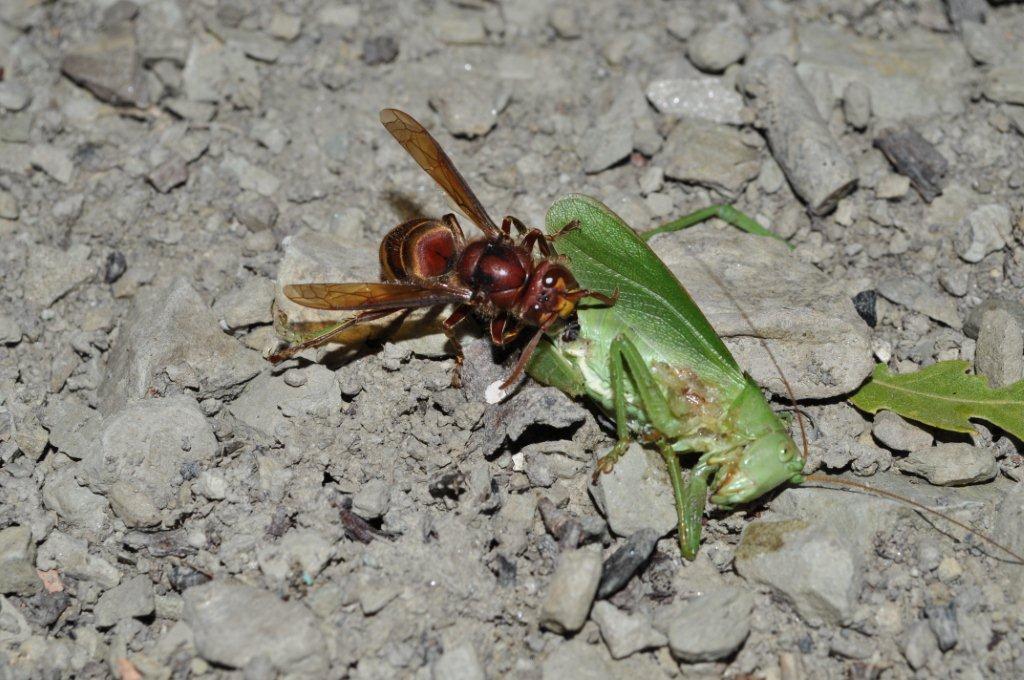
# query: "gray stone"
{"points": [[898, 434], [342, 16], [822, 345], [372, 499], [987, 43], [14, 629], [8, 206], [73, 426], [956, 282], [71, 556], [892, 186], [10, 330], [170, 174], [78, 506], [257, 213], [566, 22], [716, 48], [857, 105], [623, 633], [215, 71], [458, 663], [571, 590], [681, 24], [811, 553], [577, 660], [916, 295], [131, 599], [985, 230], [250, 177], [171, 326], [1005, 82], [469, 107], [951, 464], [817, 167], [14, 96], [234, 623], [711, 155], [140, 454], [636, 494], [17, 561], [268, 402], [707, 98], [52, 272], [110, 67], [919, 645], [54, 161], [285, 26], [246, 305], [610, 139], [304, 548], [711, 626], [460, 29], [973, 324], [1000, 352], [163, 31], [917, 75]]}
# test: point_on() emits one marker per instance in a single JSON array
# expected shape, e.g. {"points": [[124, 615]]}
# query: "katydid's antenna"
{"points": [[826, 479]]}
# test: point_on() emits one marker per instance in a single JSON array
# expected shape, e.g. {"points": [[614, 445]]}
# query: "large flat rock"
{"points": [[752, 287], [914, 76]]}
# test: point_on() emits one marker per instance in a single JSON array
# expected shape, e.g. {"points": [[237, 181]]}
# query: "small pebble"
{"points": [[717, 47], [566, 22], [623, 633], [54, 161], [382, 49], [892, 187], [865, 303], [857, 105], [115, 266], [951, 464], [955, 281], [285, 26], [899, 435], [8, 206], [619, 568], [652, 179], [1000, 351], [459, 663], [982, 232], [949, 569], [14, 96], [571, 590]]}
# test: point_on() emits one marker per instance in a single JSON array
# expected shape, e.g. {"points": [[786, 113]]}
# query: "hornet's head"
{"points": [[551, 294]]}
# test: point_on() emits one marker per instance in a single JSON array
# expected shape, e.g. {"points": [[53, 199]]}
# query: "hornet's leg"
{"points": [[726, 213], [625, 356], [448, 325], [537, 237], [502, 332]]}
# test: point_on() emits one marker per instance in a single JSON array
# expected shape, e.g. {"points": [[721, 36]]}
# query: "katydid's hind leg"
{"points": [[624, 356], [329, 334], [724, 212], [448, 326]]}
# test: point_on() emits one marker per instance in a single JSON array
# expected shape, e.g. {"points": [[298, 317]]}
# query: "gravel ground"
{"points": [[173, 506]]}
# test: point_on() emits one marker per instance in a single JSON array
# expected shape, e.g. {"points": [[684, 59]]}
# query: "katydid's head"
{"points": [[766, 463]]}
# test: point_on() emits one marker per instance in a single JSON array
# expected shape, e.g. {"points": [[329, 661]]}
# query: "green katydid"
{"points": [[654, 363]]}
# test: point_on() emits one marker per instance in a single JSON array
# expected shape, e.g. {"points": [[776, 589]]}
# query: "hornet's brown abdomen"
{"points": [[420, 249]]}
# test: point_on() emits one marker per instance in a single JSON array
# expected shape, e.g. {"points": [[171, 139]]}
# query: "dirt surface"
{"points": [[173, 506]]}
